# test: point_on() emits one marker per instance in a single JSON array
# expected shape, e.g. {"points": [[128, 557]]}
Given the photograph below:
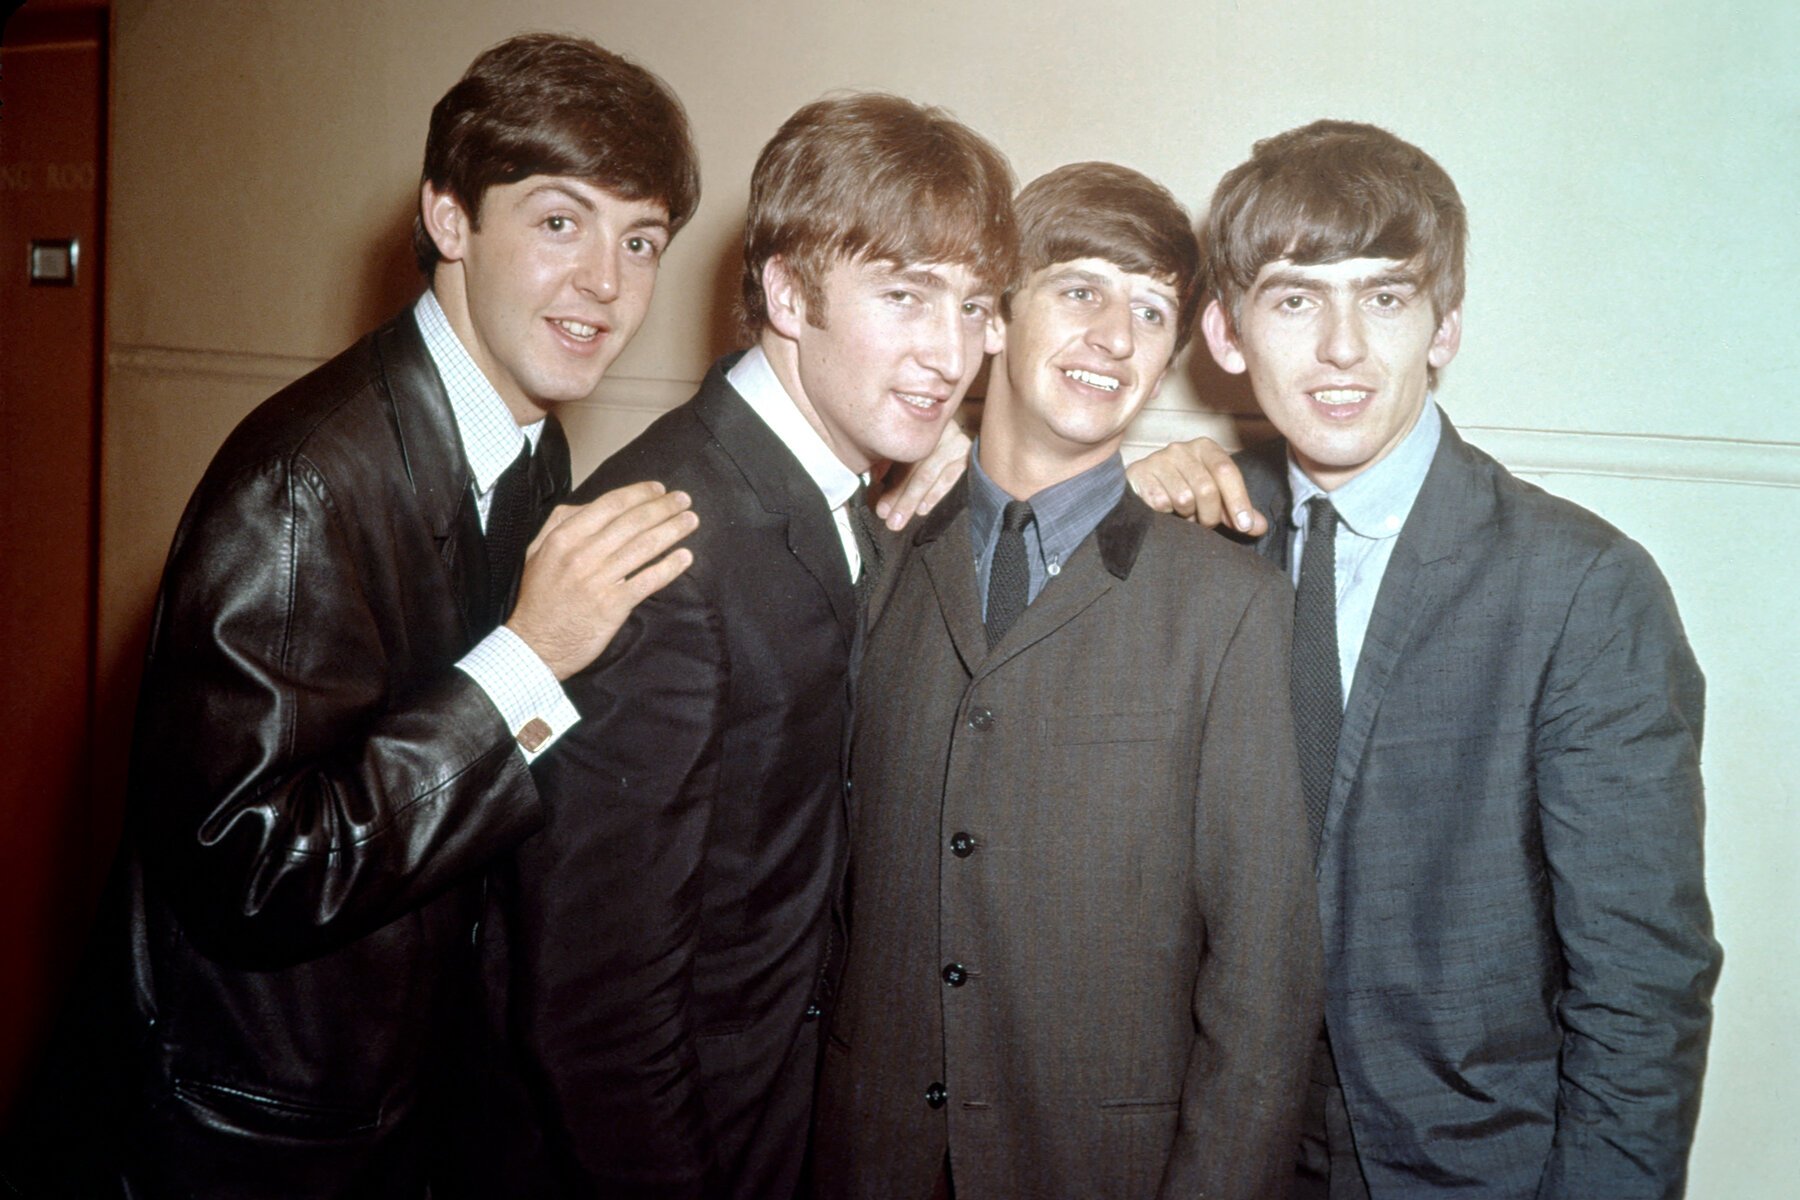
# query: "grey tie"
{"points": [[1317, 684], [862, 519], [1009, 578]]}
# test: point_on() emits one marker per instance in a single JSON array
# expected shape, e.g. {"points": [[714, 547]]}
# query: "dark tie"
{"points": [[509, 530], [1318, 690], [1009, 579], [862, 520]]}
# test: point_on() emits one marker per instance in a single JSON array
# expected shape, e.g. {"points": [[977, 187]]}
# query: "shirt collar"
{"points": [[1375, 504], [756, 381], [1065, 512], [490, 436]]}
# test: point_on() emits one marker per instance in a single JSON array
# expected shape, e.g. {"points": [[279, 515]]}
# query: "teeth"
{"points": [[1340, 396], [1104, 382], [916, 401], [577, 329]]}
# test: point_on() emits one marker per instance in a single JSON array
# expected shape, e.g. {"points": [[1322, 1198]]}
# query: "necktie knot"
{"points": [[1015, 516]]}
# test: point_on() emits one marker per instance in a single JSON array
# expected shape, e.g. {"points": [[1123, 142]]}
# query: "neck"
{"points": [[453, 298], [1024, 459], [784, 359]]}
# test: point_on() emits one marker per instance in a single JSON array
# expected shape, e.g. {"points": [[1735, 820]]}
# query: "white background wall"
{"points": [[1629, 170]]}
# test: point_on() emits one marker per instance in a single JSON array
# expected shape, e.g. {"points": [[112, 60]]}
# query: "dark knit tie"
{"points": [[862, 521], [509, 530], [1009, 579], [1318, 690]]}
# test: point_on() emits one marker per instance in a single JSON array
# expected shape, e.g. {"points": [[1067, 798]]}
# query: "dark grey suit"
{"points": [[1099, 823], [1518, 948]]}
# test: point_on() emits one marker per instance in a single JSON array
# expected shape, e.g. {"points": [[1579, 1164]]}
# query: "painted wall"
{"points": [[1630, 172]]}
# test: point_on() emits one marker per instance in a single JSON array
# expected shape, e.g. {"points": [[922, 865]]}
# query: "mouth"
{"points": [[920, 401], [1093, 379], [1341, 401], [578, 331]]}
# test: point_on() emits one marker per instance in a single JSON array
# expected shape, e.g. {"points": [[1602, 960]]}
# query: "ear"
{"points": [[446, 221], [993, 340], [783, 298], [1446, 341], [1221, 340]]}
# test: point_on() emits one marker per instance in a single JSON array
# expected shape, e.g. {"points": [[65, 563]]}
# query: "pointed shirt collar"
{"points": [[755, 380], [490, 436], [1375, 504]]}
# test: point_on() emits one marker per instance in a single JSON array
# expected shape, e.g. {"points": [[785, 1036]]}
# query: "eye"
{"points": [[1080, 294], [1150, 314], [977, 308], [640, 245], [1291, 303], [1387, 300], [557, 223], [900, 296]]}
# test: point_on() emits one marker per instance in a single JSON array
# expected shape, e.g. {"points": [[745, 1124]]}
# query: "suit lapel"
{"points": [[783, 489], [432, 450], [1445, 517]]}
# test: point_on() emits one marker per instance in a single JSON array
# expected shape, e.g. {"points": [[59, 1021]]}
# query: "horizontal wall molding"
{"points": [[1528, 451]]}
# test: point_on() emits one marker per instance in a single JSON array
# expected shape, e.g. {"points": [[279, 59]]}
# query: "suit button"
{"points": [[813, 1012], [955, 974], [981, 719], [935, 1095], [962, 845]]}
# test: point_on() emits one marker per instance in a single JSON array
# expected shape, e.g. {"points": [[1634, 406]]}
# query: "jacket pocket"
{"points": [[236, 1110]]}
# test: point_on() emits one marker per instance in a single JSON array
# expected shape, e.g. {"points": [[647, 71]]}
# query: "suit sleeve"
{"points": [[607, 907], [290, 790], [1619, 794], [1258, 997]]}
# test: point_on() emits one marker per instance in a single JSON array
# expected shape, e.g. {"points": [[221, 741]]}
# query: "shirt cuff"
{"points": [[529, 698]]}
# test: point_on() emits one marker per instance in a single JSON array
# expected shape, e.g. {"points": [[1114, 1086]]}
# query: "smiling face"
{"points": [[898, 348], [1339, 356], [550, 287], [1087, 344]]}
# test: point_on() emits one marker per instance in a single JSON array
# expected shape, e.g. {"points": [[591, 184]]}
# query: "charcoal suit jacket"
{"points": [[1518, 948], [667, 931], [1083, 952]]}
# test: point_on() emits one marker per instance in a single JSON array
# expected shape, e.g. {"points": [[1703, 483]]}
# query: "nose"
{"points": [[597, 270], [943, 345], [1342, 342], [1110, 332]]}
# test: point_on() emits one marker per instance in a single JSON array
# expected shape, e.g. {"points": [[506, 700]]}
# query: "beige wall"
{"points": [[1629, 170]]}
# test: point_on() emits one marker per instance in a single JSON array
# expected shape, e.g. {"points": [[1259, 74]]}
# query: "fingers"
{"points": [[928, 481], [1197, 480], [658, 575]]}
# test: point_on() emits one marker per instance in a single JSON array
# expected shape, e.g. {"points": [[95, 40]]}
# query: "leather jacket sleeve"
{"points": [[308, 762]]}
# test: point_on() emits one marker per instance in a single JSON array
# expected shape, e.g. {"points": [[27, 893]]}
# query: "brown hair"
{"points": [[1102, 210], [874, 176], [546, 104], [1330, 191]]}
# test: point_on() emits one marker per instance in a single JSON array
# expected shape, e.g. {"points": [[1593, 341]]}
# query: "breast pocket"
{"points": [[1088, 729]]}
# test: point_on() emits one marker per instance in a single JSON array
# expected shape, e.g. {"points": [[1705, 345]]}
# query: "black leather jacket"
{"points": [[315, 791]]}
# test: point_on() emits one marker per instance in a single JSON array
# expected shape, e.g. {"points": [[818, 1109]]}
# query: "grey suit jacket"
{"points": [[1080, 891], [1518, 949]]}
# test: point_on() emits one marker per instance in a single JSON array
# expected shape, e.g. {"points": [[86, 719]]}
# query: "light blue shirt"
{"points": [[1372, 509]]}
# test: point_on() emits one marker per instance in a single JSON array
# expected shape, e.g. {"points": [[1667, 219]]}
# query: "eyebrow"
{"points": [[1094, 279], [929, 281], [574, 196], [1298, 280]]}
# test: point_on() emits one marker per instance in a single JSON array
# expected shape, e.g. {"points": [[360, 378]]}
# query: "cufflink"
{"points": [[534, 734]]}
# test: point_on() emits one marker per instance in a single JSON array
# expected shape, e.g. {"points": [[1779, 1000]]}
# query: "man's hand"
{"points": [[591, 564], [1196, 480], [927, 481]]}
